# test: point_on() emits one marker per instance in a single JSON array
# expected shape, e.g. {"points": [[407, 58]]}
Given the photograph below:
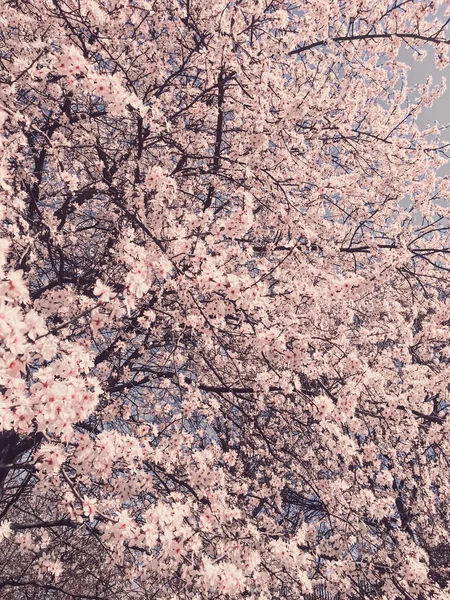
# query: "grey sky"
{"points": [[440, 111]]}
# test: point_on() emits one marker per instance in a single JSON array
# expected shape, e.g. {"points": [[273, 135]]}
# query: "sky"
{"points": [[440, 111]]}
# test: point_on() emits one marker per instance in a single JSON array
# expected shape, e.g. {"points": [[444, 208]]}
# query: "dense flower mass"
{"points": [[224, 302]]}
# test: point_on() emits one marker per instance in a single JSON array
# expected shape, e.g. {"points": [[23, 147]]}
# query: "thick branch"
{"points": [[369, 36]]}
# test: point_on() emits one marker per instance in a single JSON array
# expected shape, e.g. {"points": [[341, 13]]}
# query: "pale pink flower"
{"points": [[103, 291], [16, 285], [35, 324], [89, 507], [50, 458], [5, 530]]}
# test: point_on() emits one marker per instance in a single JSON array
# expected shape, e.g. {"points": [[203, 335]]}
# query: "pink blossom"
{"points": [[89, 507], [104, 292]]}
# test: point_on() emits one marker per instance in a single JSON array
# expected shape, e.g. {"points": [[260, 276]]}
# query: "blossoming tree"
{"points": [[224, 314]]}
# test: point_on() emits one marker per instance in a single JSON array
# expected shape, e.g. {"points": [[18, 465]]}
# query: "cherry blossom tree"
{"points": [[224, 301]]}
